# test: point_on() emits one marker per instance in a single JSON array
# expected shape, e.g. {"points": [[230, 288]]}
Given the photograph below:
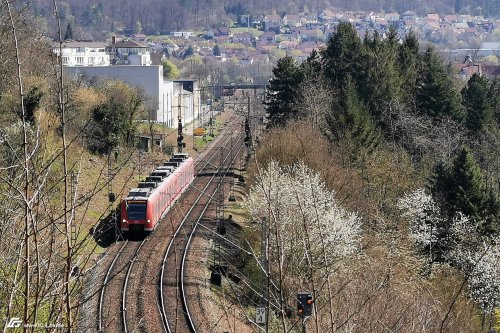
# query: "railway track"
{"points": [[135, 273], [115, 283], [172, 322]]}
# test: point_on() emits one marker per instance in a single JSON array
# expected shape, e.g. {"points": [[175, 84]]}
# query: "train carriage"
{"points": [[145, 205]]}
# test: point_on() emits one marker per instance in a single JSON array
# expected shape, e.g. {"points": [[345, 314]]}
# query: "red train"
{"points": [[145, 205]]}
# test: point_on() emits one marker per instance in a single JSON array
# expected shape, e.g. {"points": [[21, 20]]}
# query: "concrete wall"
{"points": [[164, 95], [147, 78]]}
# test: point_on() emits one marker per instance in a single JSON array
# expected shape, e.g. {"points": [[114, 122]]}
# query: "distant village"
{"points": [[471, 42]]}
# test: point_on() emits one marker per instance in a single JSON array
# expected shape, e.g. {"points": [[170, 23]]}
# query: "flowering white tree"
{"points": [[424, 216], [477, 256], [309, 233], [293, 195]]}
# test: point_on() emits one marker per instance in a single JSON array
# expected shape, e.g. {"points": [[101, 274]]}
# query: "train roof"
{"points": [[138, 193], [146, 188], [183, 156]]}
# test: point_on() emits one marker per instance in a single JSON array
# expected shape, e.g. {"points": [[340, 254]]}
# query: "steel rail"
{"points": [[163, 313], [105, 284], [123, 309], [188, 243]]}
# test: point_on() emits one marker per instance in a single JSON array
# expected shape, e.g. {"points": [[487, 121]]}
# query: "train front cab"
{"points": [[143, 207], [135, 211]]}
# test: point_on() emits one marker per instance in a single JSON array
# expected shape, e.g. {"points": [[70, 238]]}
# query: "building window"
{"points": [[65, 60], [79, 61]]}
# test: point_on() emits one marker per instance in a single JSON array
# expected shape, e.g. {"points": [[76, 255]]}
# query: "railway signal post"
{"points": [[305, 304]]}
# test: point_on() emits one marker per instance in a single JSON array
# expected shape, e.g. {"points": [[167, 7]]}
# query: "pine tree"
{"points": [[380, 84], [408, 61], [468, 194], [216, 50], [312, 67], [282, 91], [494, 97], [189, 52], [479, 113], [342, 56], [462, 187], [491, 220], [351, 122], [436, 94], [69, 32]]}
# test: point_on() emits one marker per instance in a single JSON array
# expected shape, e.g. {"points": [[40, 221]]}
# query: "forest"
{"points": [[97, 18], [379, 176]]}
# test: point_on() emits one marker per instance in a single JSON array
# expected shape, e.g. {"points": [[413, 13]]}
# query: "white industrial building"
{"points": [[130, 62], [170, 98]]}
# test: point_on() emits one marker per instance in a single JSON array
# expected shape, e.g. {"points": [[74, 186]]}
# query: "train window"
{"points": [[136, 211]]}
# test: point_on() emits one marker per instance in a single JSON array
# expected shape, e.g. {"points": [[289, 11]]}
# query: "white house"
{"points": [[183, 34], [82, 53], [129, 52]]}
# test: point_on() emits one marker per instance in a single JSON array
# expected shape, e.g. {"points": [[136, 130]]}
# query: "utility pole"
{"points": [[264, 275], [180, 137]]}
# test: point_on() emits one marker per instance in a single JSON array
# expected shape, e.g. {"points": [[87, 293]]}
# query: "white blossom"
{"points": [[483, 270], [475, 255], [424, 216], [294, 195]]}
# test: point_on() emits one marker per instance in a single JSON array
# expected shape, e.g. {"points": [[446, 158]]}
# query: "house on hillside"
{"points": [[432, 17], [129, 52], [268, 37], [492, 71], [82, 53], [392, 17], [139, 38], [292, 20], [243, 37], [310, 19], [326, 16], [465, 70], [428, 27], [409, 16], [287, 45], [182, 34], [450, 18], [272, 22]]}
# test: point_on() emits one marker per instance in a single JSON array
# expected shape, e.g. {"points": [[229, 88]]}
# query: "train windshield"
{"points": [[136, 210]]}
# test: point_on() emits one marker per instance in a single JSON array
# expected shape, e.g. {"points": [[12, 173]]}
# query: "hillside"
{"points": [[376, 179], [161, 17]]}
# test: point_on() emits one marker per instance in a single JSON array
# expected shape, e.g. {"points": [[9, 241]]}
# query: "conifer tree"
{"points": [[351, 122], [494, 97], [216, 50], [468, 190], [491, 219], [69, 32], [461, 188], [342, 56], [479, 113], [408, 62], [312, 67], [436, 94], [380, 82], [282, 91]]}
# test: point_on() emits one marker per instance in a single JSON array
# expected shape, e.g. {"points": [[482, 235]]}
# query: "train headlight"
{"points": [[148, 221], [124, 221]]}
